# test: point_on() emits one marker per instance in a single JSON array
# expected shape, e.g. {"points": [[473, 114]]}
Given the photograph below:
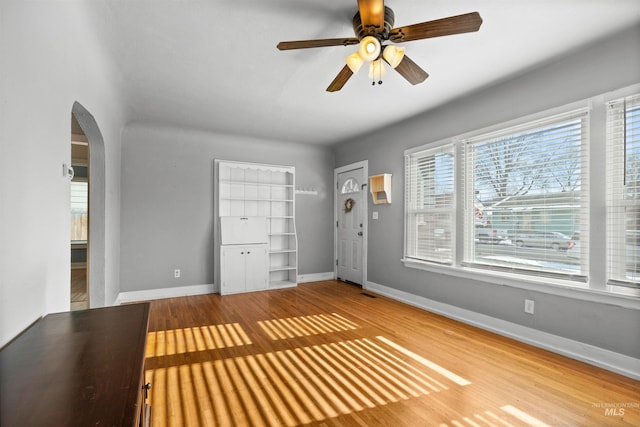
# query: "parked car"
{"points": [[489, 235], [543, 239]]}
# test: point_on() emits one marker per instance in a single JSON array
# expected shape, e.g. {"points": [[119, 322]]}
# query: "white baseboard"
{"points": [[606, 359], [151, 294], [315, 277]]}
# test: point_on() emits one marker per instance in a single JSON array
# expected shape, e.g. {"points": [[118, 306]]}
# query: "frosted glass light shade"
{"points": [[377, 70], [369, 48], [354, 61], [393, 55]]}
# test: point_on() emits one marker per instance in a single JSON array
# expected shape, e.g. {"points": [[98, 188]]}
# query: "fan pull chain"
{"points": [[373, 76]]}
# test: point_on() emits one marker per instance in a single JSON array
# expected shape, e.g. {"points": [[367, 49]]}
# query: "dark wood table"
{"points": [[82, 368]]}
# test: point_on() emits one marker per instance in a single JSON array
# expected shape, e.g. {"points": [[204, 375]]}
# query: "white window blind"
{"points": [[623, 192], [526, 198], [430, 205]]}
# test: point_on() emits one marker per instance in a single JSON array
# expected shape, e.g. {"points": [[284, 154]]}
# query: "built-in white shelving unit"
{"points": [[259, 190]]}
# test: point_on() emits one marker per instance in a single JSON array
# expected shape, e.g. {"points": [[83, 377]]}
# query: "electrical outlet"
{"points": [[529, 306], [374, 215], [176, 273]]}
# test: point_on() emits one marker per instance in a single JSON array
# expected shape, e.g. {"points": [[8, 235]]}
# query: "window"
{"points": [[519, 199], [350, 186], [623, 192], [79, 210], [430, 205], [526, 198]]}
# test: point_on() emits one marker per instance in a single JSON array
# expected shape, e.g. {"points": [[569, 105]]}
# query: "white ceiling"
{"points": [[213, 65]]}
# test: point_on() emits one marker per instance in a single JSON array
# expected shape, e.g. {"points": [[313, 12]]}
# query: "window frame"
{"points": [[526, 128], [595, 288], [415, 155], [617, 203], [79, 210]]}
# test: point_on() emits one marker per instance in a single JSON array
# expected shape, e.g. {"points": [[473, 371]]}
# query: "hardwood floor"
{"points": [[79, 292], [331, 354]]}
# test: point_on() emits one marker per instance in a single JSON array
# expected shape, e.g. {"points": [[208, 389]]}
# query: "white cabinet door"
{"points": [[256, 270], [232, 269], [243, 268]]}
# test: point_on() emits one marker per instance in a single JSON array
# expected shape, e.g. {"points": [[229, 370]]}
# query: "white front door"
{"points": [[350, 234]]}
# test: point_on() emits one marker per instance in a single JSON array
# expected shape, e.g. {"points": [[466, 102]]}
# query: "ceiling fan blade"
{"points": [[343, 76], [411, 71], [305, 44], [466, 23], [372, 15]]}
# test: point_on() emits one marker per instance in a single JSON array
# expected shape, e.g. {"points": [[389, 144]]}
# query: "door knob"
{"points": [[359, 233]]}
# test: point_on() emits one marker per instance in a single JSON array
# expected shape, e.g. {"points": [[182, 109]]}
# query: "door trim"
{"points": [[364, 164], [99, 295]]}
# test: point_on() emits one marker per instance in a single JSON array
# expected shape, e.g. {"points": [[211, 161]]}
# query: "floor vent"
{"points": [[367, 295]]}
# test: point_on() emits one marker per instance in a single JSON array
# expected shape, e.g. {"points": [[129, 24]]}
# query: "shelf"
{"points": [[250, 189], [279, 284], [259, 184], [380, 186], [244, 199], [282, 268]]}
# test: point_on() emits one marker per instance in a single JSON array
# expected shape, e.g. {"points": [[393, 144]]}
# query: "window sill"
{"points": [[563, 288]]}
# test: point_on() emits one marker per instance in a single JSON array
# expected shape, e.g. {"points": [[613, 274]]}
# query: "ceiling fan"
{"points": [[373, 26]]}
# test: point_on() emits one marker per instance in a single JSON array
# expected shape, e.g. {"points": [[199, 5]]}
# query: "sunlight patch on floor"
{"points": [[523, 416], [429, 364], [201, 338], [292, 327], [510, 417], [294, 386]]}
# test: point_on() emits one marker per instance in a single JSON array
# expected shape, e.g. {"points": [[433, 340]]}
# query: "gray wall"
{"points": [[168, 202], [608, 65], [49, 61]]}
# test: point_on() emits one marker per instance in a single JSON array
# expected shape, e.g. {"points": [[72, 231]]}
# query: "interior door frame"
{"points": [[99, 295], [364, 164]]}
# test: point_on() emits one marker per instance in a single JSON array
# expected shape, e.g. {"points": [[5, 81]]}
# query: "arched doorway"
{"points": [[79, 217], [95, 254]]}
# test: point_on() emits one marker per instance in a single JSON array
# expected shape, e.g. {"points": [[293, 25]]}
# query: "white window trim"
{"points": [[452, 210], [468, 260], [588, 291], [574, 290], [616, 202]]}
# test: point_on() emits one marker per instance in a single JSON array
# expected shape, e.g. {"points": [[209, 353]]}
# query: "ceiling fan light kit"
{"points": [[369, 48], [373, 25], [354, 61], [377, 70], [393, 55]]}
